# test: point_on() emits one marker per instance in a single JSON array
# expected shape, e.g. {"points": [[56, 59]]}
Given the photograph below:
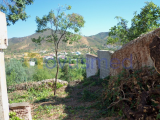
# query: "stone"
{"points": [[22, 110], [140, 52], [28, 85]]}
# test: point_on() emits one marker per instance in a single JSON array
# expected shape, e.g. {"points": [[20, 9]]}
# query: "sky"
{"points": [[99, 15]]}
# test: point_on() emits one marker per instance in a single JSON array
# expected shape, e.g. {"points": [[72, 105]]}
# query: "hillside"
{"points": [[98, 39], [25, 43]]}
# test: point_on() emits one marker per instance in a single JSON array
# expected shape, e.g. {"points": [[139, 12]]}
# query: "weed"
{"points": [[158, 115], [86, 83], [12, 116]]}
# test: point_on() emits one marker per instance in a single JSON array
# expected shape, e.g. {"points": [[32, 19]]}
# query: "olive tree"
{"points": [[60, 26]]}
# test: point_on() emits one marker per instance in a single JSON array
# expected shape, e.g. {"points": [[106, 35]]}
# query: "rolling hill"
{"points": [[26, 44]]}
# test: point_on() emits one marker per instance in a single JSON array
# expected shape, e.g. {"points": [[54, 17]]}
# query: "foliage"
{"points": [[15, 10], [15, 72], [158, 116], [147, 20], [66, 75], [59, 85], [70, 74], [73, 62], [41, 74], [12, 116], [119, 31]]}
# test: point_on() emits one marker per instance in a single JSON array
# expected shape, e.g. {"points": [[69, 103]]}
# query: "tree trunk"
{"points": [[55, 87]]}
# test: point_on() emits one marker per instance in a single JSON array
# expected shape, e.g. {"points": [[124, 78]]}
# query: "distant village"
{"points": [[61, 55]]}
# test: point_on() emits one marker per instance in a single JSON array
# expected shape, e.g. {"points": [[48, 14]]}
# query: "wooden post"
{"points": [[4, 105]]}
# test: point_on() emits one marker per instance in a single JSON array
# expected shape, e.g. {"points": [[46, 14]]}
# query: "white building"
{"points": [[62, 56], [32, 63], [48, 57], [78, 53], [43, 51], [63, 53]]}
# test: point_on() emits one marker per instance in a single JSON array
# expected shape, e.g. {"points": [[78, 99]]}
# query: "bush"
{"points": [[41, 74], [70, 74], [12, 116], [73, 62], [66, 75], [15, 72]]}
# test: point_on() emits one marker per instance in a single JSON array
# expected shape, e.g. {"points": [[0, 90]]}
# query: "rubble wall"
{"points": [[136, 53]]}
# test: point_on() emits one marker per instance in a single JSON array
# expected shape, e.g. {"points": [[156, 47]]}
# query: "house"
{"points": [[52, 55], [32, 63], [48, 57], [62, 56], [73, 52], [43, 51], [78, 53], [63, 53]]}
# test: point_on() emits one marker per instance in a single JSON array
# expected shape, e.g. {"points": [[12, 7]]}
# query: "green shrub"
{"points": [[15, 72], [12, 116], [70, 74], [66, 75], [41, 74], [73, 62], [59, 85]]}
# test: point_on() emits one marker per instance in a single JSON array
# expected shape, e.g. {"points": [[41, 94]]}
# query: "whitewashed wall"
{"points": [[91, 65]]}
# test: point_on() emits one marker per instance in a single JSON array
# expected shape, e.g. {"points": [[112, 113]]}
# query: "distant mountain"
{"points": [[25, 43], [101, 35], [98, 39]]}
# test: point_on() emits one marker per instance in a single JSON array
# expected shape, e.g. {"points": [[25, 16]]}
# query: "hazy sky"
{"points": [[98, 14]]}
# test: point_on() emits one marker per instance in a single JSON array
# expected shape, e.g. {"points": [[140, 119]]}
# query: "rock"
{"points": [[27, 85], [140, 52], [23, 110]]}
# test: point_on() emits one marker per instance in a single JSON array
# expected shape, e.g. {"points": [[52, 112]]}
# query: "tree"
{"points": [[15, 72], [59, 25], [148, 19], [14, 10], [119, 32]]}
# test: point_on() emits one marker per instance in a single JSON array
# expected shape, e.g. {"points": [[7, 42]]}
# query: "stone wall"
{"points": [[22, 110], [24, 86], [91, 65], [140, 52], [143, 51], [104, 57]]}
